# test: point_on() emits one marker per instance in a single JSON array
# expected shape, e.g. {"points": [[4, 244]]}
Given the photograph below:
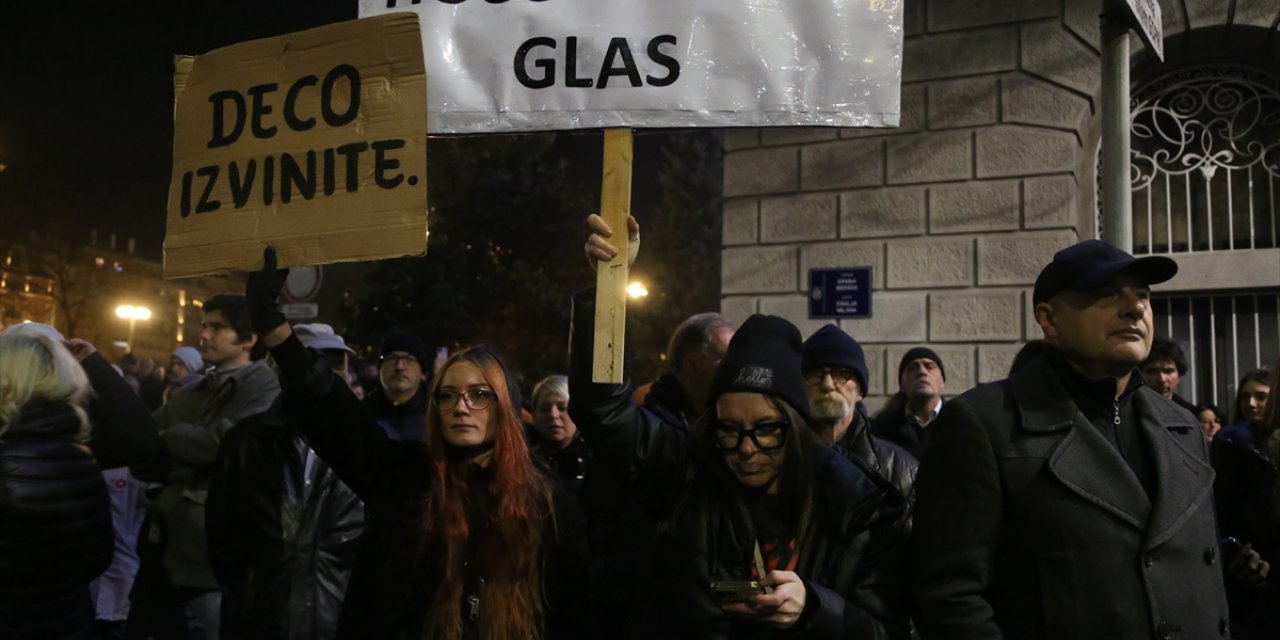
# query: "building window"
{"points": [[1206, 161]]}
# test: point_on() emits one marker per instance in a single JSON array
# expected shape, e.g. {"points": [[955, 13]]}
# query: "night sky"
{"points": [[86, 101]]}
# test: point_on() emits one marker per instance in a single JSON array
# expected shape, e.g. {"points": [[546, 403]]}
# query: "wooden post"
{"points": [[611, 277]]}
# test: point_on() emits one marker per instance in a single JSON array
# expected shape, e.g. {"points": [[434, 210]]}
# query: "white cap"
{"points": [[36, 328], [320, 336]]}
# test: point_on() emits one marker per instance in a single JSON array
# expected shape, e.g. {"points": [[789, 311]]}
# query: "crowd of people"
{"points": [[264, 485]]}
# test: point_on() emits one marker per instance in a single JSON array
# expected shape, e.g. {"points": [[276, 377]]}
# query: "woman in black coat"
{"points": [[465, 536], [55, 517], [766, 532], [1246, 458]]}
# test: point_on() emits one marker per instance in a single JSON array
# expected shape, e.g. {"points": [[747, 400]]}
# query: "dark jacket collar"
{"points": [[668, 400], [1089, 466], [382, 405], [45, 420], [1092, 397]]}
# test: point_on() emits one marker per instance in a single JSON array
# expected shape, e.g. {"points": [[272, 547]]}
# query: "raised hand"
{"points": [[262, 294], [81, 349], [598, 247]]}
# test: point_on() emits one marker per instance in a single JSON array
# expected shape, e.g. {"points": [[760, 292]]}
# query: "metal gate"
{"points": [[1206, 161], [1223, 336]]}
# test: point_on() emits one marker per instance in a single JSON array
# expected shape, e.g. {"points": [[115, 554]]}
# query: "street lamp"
{"points": [[133, 314]]}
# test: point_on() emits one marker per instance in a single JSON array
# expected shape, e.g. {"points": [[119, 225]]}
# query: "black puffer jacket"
{"points": [[55, 526], [283, 533], [397, 570]]}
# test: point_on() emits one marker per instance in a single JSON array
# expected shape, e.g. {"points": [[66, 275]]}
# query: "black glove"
{"points": [[262, 294]]}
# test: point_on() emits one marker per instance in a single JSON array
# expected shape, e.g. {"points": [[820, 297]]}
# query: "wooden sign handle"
{"points": [[611, 277]]}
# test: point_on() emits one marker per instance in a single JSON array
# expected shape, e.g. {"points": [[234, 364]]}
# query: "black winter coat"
{"points": [[397, 569], [123, 431], [400, 421], [668, 400], [282, 537], [1247, 491], [1030, 525], [55, 526], [851, 558], [888, 460], [55, 514]]}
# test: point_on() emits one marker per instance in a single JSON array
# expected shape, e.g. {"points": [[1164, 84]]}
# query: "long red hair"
{"points": [[519, 503]]}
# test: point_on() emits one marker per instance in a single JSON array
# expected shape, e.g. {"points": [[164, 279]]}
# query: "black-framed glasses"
{"points": [[477, 398], [838, 376], [396, 358], [767, 436]]}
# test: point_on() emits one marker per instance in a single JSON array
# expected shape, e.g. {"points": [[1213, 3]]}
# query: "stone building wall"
{"points": [[956, 210]]}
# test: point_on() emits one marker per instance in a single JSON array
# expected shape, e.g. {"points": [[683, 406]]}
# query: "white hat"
{"points": [[29, 328], [320, 336]]}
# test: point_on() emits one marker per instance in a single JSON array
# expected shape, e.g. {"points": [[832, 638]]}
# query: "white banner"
{"points": [[523, 65]]}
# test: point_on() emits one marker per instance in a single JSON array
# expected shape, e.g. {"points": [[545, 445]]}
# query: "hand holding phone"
{"points": [[725, 591], [781, 608], [1245, 564]]}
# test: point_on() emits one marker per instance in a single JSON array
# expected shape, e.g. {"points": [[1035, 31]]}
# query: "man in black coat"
{"points": [[401, 402], [1070, 501], [283, 530], [835, 376], [697, 345]]}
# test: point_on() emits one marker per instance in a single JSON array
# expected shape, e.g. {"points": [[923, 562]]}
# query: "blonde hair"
{"points": [[35, 369], [556, 385]]}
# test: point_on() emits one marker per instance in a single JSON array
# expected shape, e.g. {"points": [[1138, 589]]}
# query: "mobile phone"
{"points": [[734, 590], [1230, 548]]}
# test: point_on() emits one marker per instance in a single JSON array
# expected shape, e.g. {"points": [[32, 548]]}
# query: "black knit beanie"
{"points": [[832, 347], [407, 342], [916, 354], [764, 357]]}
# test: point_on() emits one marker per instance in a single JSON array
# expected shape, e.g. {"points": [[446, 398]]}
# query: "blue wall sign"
{"points": [[840, 293]]}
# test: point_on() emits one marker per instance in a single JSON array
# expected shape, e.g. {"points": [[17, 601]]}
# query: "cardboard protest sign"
{"points": [[314, 142], [520, 65]]}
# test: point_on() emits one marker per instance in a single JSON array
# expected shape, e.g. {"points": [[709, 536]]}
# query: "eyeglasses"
{"points": [[767, 436], [393, 359], [477, 399], [838, 376]]}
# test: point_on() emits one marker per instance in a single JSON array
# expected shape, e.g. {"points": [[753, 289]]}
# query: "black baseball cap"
{"points": [[1090, 264]]}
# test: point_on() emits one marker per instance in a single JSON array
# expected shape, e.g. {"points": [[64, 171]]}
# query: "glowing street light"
{"points": [[133, 314], [637, 290]]}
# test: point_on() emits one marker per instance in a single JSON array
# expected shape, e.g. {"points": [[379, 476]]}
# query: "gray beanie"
{"points": [[190, 357]]}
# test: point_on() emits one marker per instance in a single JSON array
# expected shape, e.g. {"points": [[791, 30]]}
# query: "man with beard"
{"points": [[835, 375], [400, 406]]}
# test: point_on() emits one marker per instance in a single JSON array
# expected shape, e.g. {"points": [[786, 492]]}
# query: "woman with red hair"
{"points": [[465, 537]]}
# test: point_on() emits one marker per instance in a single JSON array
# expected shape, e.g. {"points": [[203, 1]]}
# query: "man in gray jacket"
{"points": [[1070, 501], [192, 425]]}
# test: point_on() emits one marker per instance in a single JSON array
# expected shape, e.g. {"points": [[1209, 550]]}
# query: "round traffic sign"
{"points": [[303, 283]]}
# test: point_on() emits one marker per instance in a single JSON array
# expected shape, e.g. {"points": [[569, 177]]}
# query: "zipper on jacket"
{"points": [[1116, 417], [473, 604]]}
